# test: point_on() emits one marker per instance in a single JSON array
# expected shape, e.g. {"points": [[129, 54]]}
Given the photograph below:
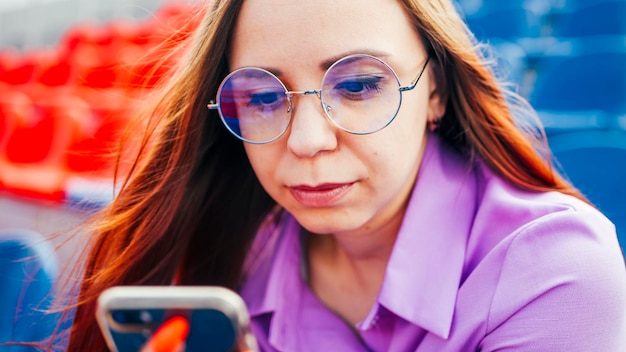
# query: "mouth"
{"points": [[322, 195]]}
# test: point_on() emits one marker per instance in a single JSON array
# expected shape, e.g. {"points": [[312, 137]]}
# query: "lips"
{"points": [[323, 195]]}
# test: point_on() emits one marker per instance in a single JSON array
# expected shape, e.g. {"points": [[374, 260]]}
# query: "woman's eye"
{"points": [[265, 98], [352, 86], [358, 88]]}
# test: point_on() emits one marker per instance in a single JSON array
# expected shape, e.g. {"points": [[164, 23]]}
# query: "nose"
{"points": [[311, 132]]}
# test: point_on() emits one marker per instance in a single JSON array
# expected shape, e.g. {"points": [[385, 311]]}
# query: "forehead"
{"points": [[305, 33]]}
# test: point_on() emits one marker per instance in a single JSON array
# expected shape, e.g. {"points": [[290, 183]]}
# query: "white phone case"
{"points": [[218, 317]]}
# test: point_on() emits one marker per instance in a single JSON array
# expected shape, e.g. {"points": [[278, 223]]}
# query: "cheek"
{"points": [[392, 165], [400, 147], [262, 161], [402, 138], [395, 153]]}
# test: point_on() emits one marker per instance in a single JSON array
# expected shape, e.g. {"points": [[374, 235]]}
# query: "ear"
{"points": [[436, 101]]}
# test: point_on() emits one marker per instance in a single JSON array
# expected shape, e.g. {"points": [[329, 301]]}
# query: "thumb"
{"points": [[170, 337]]}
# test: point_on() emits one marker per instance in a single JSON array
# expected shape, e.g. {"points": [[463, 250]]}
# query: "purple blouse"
{"points": [[478, 265]]}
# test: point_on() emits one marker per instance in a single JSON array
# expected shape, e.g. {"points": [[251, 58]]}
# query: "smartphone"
{"points": [[218, 317]]}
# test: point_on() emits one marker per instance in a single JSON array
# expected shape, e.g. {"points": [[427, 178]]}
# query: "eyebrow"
{"points": [[377, 53], [324, 65]]}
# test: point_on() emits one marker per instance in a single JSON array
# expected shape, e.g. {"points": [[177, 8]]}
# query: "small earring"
{"points": [[433, 125]]}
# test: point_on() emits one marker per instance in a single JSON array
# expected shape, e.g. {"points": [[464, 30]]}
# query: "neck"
{"points": [[355, 248], [360, 258], [346, 272]]}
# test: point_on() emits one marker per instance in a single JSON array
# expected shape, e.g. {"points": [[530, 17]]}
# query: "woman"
{"points": [[395, 206]]}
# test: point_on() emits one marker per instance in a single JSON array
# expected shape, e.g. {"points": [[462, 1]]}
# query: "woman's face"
{"points": [[332, 181]]}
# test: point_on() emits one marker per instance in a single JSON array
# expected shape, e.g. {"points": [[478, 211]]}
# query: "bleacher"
{"points": [[65, 96], [568, 58], [72, 70]]}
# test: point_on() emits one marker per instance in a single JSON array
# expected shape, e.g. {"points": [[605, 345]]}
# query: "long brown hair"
{"points": [[191, 204], [481, 118]]}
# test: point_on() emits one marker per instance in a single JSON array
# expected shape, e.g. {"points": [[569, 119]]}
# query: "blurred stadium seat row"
{"points": [[63, 108], [563, 54]]}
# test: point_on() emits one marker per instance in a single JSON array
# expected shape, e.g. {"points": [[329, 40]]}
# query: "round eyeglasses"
{"points": [[360, 94]]}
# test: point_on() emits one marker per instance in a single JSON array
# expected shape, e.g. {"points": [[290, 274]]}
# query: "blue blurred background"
{"points": [[71, 71], [568, 58]]}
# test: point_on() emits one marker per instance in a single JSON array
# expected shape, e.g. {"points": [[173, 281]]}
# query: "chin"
{"points": [[323, 225]]}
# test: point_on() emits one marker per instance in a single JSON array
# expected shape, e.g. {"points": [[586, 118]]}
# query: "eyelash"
{"points": [[256, 100], [366, 85]]}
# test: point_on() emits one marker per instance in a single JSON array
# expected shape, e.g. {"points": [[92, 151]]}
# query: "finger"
{"points": [[170, 337]]}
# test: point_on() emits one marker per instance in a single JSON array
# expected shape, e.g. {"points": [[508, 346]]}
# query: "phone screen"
{"points": [[210, 329]]}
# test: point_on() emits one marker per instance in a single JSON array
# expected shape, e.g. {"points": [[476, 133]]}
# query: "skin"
{"points": [[355, 233]]}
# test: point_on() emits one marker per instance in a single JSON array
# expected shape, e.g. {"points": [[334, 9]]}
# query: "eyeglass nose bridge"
{"points": [[296, 93]]}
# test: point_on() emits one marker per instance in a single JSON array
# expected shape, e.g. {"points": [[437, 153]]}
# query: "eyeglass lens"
{"points": [[359, 93]]}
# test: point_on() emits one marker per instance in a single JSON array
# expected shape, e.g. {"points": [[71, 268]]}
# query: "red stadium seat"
{"points": [[56, 72], [15, 106], [91, 152], [18, 69], [33, 158]]}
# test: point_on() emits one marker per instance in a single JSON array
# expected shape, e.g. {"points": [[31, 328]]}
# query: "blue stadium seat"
{"points": [[506, 23], [511, 61], [472, 7], [595, 163], [28, 271], [581, 84], [571, 4], [594, 18]]}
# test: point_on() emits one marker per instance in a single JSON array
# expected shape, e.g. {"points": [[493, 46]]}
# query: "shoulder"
{"points": [[540, 234], [559, 270], [561, 285], [505, 213], [574, 248]]}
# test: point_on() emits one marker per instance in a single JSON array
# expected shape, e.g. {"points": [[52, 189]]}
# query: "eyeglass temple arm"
{"points": [[414, 83], [212, 106]]}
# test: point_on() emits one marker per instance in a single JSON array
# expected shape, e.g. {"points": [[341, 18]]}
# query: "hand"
{"points": [[170, 337]]}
